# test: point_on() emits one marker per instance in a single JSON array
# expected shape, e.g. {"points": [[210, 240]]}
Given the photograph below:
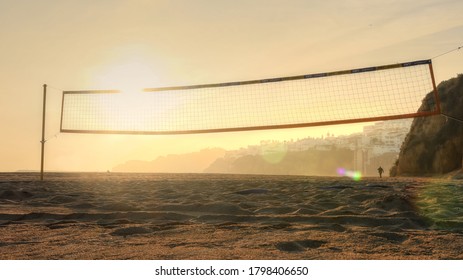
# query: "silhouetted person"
{"points": [[380, 171]]}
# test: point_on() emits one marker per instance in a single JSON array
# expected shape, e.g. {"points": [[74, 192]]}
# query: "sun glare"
{"points": [[128, 69], [129, 77]]}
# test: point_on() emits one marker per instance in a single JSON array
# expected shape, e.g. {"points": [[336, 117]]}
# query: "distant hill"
{"points": [[309, 162], [434, 144], [194, 162]]}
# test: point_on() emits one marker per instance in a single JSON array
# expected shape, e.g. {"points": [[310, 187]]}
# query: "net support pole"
{"points": [[42, 159], [436, 94]]}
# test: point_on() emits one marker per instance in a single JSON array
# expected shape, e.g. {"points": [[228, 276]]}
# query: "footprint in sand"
{"points": [[15, 195], [252, 191], [131, 231], [391, 236], [299, 246]]}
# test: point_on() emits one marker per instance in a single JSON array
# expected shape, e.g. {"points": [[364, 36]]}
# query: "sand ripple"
{"points": [[130, 205], [219, 199]]}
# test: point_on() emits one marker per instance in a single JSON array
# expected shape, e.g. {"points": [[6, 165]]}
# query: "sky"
{"points": [[115, 44]]}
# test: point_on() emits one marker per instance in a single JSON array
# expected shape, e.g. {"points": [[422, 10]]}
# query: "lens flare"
{"points": [[355, 175], [273, 152], [440, 202]]}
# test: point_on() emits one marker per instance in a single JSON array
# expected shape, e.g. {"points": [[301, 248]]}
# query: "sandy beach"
{"points": [[205, 216]]}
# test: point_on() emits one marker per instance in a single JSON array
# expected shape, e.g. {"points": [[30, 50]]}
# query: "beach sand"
{"points": [[207, 216]]}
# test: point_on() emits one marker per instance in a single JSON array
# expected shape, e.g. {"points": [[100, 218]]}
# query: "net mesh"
{"points": [[375, 93]]}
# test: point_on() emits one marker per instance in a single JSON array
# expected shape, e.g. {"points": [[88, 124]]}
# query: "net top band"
{"points": [[298, 77]]}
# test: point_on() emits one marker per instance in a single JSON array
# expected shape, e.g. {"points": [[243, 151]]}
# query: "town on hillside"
{"points": [[378, 145]]}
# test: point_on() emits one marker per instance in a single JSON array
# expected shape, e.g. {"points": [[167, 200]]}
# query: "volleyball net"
{"points": [[359, 95]]}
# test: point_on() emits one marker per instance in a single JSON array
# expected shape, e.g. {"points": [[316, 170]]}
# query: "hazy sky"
{"points": [[101, 44]]}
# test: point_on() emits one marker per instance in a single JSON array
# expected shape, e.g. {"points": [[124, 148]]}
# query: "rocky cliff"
{"points": [[434, 144]]}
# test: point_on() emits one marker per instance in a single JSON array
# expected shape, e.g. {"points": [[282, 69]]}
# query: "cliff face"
{"points": [[434, 144]]}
